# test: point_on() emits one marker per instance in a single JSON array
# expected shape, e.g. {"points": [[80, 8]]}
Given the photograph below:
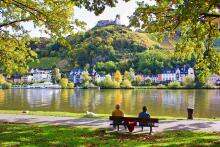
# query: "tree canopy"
{"points": [[192, 19], [53, 17]]}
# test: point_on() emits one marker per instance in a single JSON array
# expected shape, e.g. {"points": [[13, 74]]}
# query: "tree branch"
{"points": [[31, 8], [14, 22], [210, 15]]}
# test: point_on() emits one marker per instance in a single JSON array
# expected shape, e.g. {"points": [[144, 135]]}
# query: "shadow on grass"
{"points": [[45, 135]]}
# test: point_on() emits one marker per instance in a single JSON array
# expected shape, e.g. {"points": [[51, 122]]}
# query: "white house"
{"points": [[177, 74], [99, 78], [167, 75], [27, 78], [184, 71], [214, 79], [75, 75], [41, 75]]}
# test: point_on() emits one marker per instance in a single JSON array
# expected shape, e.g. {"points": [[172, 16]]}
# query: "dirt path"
{"points": [[201, 125]]}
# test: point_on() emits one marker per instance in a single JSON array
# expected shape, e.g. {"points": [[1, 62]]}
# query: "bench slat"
{"points": [[136, 119]]}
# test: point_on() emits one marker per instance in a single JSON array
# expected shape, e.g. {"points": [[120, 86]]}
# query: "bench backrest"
{"points": [[136, 119]]}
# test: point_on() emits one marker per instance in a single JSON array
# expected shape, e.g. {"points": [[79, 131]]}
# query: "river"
{"points": [[159, 102]]}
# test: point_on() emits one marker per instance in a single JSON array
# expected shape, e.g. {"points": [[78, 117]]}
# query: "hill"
{"points": [[107, 49], [110, 43]]}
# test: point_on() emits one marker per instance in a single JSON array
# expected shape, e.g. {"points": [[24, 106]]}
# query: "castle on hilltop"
{"points": [[103, 23]]}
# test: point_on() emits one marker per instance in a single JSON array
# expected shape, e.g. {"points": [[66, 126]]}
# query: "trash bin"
{"points": [[190, 113]]}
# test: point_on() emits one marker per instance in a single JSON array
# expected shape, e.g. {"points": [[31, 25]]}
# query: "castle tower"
{"points": [[117, 20]]}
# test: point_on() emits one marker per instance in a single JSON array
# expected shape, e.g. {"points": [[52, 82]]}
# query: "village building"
{"points": [[177, 74], [214, 79], [99, 78], [27, 78], [167, 75], [16, 79], [75, 75], [41, 75], [183, 72]]}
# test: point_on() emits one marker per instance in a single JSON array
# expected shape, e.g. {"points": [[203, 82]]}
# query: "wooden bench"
{"points": [[153, 122]]}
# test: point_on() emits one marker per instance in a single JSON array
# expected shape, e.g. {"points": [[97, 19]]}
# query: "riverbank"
{"points": [[165, 87], [47, 135], [84, 115], [98, 88]]}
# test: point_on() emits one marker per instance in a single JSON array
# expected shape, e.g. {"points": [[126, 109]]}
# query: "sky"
{"points": [[122, 8]]}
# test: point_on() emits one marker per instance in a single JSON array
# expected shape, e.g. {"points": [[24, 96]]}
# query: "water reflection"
{"points": [[159, 102]]}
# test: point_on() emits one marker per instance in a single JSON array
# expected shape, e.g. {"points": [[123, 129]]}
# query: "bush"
{"points": [[174, 84], [71, 85], [109, 83], [188, 82], [64, 82], [139, 79], [2, 79], [126, 84], [209, 85], [115, 84], [161, 86], [87, 84], [148, 82], [6, 86]]}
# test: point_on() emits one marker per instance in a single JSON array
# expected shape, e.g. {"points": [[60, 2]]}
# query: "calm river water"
{"points": [[159, 102]]}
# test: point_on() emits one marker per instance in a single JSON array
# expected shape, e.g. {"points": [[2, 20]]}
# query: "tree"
{"points": [[105, 67], [126, 84], [193, 21], [97, 6], [153, 61], [131, 74], [174, 85], [118, 76], [55, 18], [148, 82], [109, 83], [2, 79], [64, 83], [126, 75], [71, 85], [110, 66], [85, 78], [56, 75], [139, 79], [188, 82], [87, 67]]}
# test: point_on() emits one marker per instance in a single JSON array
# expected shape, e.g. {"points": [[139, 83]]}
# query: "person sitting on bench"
{"points": [[117, 112], [144, 114]]}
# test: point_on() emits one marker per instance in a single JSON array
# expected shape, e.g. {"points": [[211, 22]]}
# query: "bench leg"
{"points": [[142, 128], [118, 127], [125, 126], [150, 130]]}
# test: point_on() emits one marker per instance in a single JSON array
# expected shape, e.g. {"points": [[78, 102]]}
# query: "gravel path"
{"points": [[200, 125]]}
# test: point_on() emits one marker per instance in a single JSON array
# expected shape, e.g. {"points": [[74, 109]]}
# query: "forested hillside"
{"points": [[107, 49]]}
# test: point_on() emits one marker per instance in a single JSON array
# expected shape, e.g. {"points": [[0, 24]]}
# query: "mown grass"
{"points": [[45, 135], [83, 115]]}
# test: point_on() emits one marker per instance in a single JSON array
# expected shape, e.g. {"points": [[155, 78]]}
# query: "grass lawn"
{"points": [[44, 135]]}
